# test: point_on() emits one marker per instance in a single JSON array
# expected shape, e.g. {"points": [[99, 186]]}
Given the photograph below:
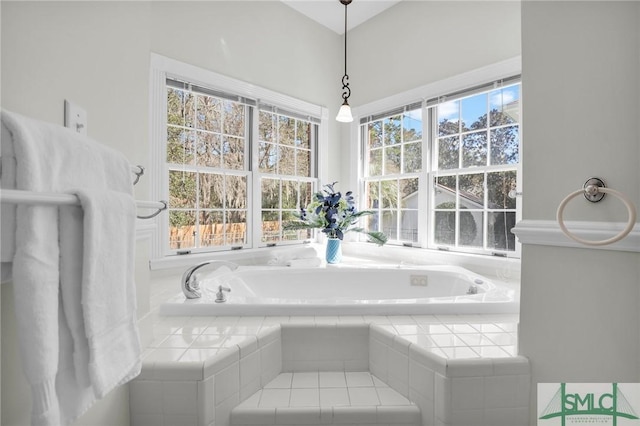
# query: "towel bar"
{"points": [[15, 196], [138, 171]]}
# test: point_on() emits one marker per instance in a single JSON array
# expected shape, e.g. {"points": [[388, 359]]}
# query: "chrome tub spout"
{"points": [[190, 284]]}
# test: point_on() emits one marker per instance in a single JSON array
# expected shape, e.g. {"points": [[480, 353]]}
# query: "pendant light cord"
{"points": [[345, 38], [345, 79]]}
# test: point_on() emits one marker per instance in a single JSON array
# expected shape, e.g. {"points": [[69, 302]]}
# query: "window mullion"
{"points": [[255, 206], [485, 210], [196, 231], [456, 233], [426, 220]]}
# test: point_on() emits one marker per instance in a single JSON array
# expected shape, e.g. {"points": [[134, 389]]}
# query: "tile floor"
{"points": [[326, 395], [325, 388]]}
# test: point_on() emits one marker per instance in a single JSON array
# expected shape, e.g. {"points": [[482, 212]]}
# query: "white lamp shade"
{"points": [[344, 115]]}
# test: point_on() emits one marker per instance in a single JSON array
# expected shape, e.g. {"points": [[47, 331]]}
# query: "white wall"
{"points": [[265, 43], [97, 54], [581, 89], [415, 43], [94, 53], [418, 42], [0, 266]]}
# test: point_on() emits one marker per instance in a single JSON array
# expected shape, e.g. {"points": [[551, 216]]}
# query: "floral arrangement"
{"points": [[335, 215]]}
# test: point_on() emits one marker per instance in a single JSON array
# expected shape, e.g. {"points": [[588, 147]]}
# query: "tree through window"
{"points": [[469, 179], [209, 142], [286, 158], [208, 179], [393, 166], [475, 170]]}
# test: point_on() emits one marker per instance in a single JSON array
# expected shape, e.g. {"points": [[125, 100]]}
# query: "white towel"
{"points": [[75, 300], [281, 257], [108, 288], [312, 262]]}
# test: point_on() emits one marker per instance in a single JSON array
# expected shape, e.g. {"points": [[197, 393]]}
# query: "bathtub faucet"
{"points": [[190, 284]]}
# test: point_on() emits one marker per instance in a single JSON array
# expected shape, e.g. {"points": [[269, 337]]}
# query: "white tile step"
{"points": [[326, 398]]}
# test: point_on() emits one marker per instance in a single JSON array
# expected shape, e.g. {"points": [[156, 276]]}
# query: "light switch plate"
{"points": [[75, 117]]}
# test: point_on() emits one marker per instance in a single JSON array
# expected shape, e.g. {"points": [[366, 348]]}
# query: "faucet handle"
{"points": [[220, 297]]}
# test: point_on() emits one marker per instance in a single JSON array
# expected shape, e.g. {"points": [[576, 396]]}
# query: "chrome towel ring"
{"points": [[594, 191]]}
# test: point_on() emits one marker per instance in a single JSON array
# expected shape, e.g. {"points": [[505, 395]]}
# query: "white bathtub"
{"points": [[346, 290]]}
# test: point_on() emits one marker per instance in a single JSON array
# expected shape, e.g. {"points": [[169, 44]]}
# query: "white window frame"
{"points": [[283, 177], [162, 68], [383, 176], [458, 83]]}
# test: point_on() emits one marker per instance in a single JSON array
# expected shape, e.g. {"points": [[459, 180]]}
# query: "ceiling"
{"points": [[330, 13]]}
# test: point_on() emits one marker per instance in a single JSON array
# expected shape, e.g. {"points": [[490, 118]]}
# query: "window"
{"points": [[286, 161], [463, 173], [393, 167], [207, 169], [232, 165], [475, 170]]}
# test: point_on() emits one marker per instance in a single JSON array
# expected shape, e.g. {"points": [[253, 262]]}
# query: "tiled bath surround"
{"points": [[199, 368], [452, 392], [202, 389]]}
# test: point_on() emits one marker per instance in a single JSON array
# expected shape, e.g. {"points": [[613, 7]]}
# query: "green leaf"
{"points": [[374, 236], [377, 237]]}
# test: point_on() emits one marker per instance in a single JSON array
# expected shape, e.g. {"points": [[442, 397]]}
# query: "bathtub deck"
{"points": [[189, 339]]}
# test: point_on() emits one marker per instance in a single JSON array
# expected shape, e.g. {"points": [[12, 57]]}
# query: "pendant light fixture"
{"points": [[344, 114]]}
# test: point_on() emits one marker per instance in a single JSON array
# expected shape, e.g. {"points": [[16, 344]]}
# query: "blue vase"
{"points": [[334, 250]]}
